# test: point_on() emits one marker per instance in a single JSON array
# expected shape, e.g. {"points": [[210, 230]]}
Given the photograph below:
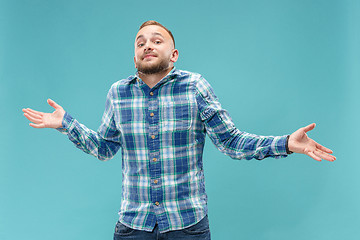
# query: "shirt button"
{"points": [[151, 93], [157, 203], [153, 136], [151, 114], [78, 143], [155, 181], [154, 159]]}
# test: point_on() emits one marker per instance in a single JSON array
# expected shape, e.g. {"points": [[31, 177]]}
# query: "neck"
{"points": [[152, 79]]}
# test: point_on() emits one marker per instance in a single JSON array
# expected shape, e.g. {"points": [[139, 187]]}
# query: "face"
{"points": [[154, 50]]}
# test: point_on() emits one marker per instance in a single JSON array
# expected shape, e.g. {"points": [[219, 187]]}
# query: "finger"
{"points": [[322, 148], [324, 156], [26, 110], [309, 127], [312, 155], [37, 125], [53, 104], [34, 120], [34, 115], [29, 110]]}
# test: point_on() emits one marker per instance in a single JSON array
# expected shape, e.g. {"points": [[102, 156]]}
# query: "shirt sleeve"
{"points": [[226, 137], [102, 144]]}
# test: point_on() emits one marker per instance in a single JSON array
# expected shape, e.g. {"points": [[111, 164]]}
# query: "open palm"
{"points": [[299, 142], [46, 120]]}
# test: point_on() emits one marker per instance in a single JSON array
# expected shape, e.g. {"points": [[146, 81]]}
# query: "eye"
{"points": [[140, 44], [157, 42]]}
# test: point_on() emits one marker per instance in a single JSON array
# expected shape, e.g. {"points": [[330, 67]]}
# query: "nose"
{"points": [[148, 46]]}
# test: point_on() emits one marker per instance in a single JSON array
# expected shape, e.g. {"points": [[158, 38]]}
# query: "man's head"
{"points": [[154, 48]]}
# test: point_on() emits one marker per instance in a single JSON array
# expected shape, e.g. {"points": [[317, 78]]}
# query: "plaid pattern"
{"points": [[161, 132]]}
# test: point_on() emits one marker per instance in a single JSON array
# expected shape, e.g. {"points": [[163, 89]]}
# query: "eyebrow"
{"points": [[154, 34]]}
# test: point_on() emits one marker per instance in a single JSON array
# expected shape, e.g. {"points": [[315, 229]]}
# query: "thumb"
{"points": [[53, 104], [309, 127]]}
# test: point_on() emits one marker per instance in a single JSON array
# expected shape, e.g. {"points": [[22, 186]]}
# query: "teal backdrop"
{"points": [[275, 65]]}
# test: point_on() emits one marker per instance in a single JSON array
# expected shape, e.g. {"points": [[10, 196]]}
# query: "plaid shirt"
{"points": [[161, 132]]}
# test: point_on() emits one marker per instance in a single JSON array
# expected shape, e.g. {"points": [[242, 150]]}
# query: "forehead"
{"points": [[152, 30]]}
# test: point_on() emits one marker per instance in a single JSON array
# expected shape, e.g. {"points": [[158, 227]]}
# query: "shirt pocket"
{"points": [[176, 116], [130, 115]]}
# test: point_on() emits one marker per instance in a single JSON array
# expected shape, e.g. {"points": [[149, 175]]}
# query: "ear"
{"points": [[174, 56], [135, 62]]}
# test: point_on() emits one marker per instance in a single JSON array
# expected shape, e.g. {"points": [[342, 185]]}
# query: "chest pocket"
{"points": [[130, 115], [176, 116]]}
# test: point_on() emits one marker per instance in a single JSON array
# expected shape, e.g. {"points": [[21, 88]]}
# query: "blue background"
{"points": [[275, 65]]}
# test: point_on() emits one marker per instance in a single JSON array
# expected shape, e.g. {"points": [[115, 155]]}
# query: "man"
{"points": [[159, 119]]}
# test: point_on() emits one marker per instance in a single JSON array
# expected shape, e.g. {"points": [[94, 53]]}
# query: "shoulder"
{"points": [[199, 83], [123, 82], [121, 86], [192, 76]]}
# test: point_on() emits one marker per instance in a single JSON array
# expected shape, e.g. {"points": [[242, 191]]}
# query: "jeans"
{"points": [[199, 231]]}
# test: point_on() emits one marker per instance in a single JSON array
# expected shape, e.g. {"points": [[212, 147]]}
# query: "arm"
{"points": [[102, 144], [237, 144], [226, 137]]}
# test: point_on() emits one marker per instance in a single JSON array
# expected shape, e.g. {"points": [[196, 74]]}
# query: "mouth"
{"points": [[148, 56]]}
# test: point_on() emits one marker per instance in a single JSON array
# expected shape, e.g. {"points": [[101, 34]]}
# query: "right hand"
{"points": [[46, 120]]}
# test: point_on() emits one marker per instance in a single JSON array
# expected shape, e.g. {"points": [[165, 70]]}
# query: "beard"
{"points": [[153, 68]]}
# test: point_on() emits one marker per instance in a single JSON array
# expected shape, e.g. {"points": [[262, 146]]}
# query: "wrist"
{"points": [[287, 145]]}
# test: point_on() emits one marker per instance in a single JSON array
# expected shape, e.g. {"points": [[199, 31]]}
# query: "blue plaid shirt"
{"points": [[161, 132]]}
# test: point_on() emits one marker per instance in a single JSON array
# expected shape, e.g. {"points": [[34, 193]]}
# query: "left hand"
{"points": [[299, 142]]}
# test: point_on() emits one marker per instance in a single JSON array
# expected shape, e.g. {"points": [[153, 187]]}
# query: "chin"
{"points": [[152, 67]]}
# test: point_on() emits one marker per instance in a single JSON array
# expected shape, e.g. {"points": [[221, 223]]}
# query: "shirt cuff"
{"points": [[66, 123], [287, 145], [278, 147]]}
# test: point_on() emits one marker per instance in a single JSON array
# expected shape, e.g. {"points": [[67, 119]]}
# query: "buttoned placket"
{"points": [[152, 117], [153, 144]]}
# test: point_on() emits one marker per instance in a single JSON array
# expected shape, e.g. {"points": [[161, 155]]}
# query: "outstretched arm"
{"points": [[240, 145], [299, 142], [46, 120], [102, 144]]}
